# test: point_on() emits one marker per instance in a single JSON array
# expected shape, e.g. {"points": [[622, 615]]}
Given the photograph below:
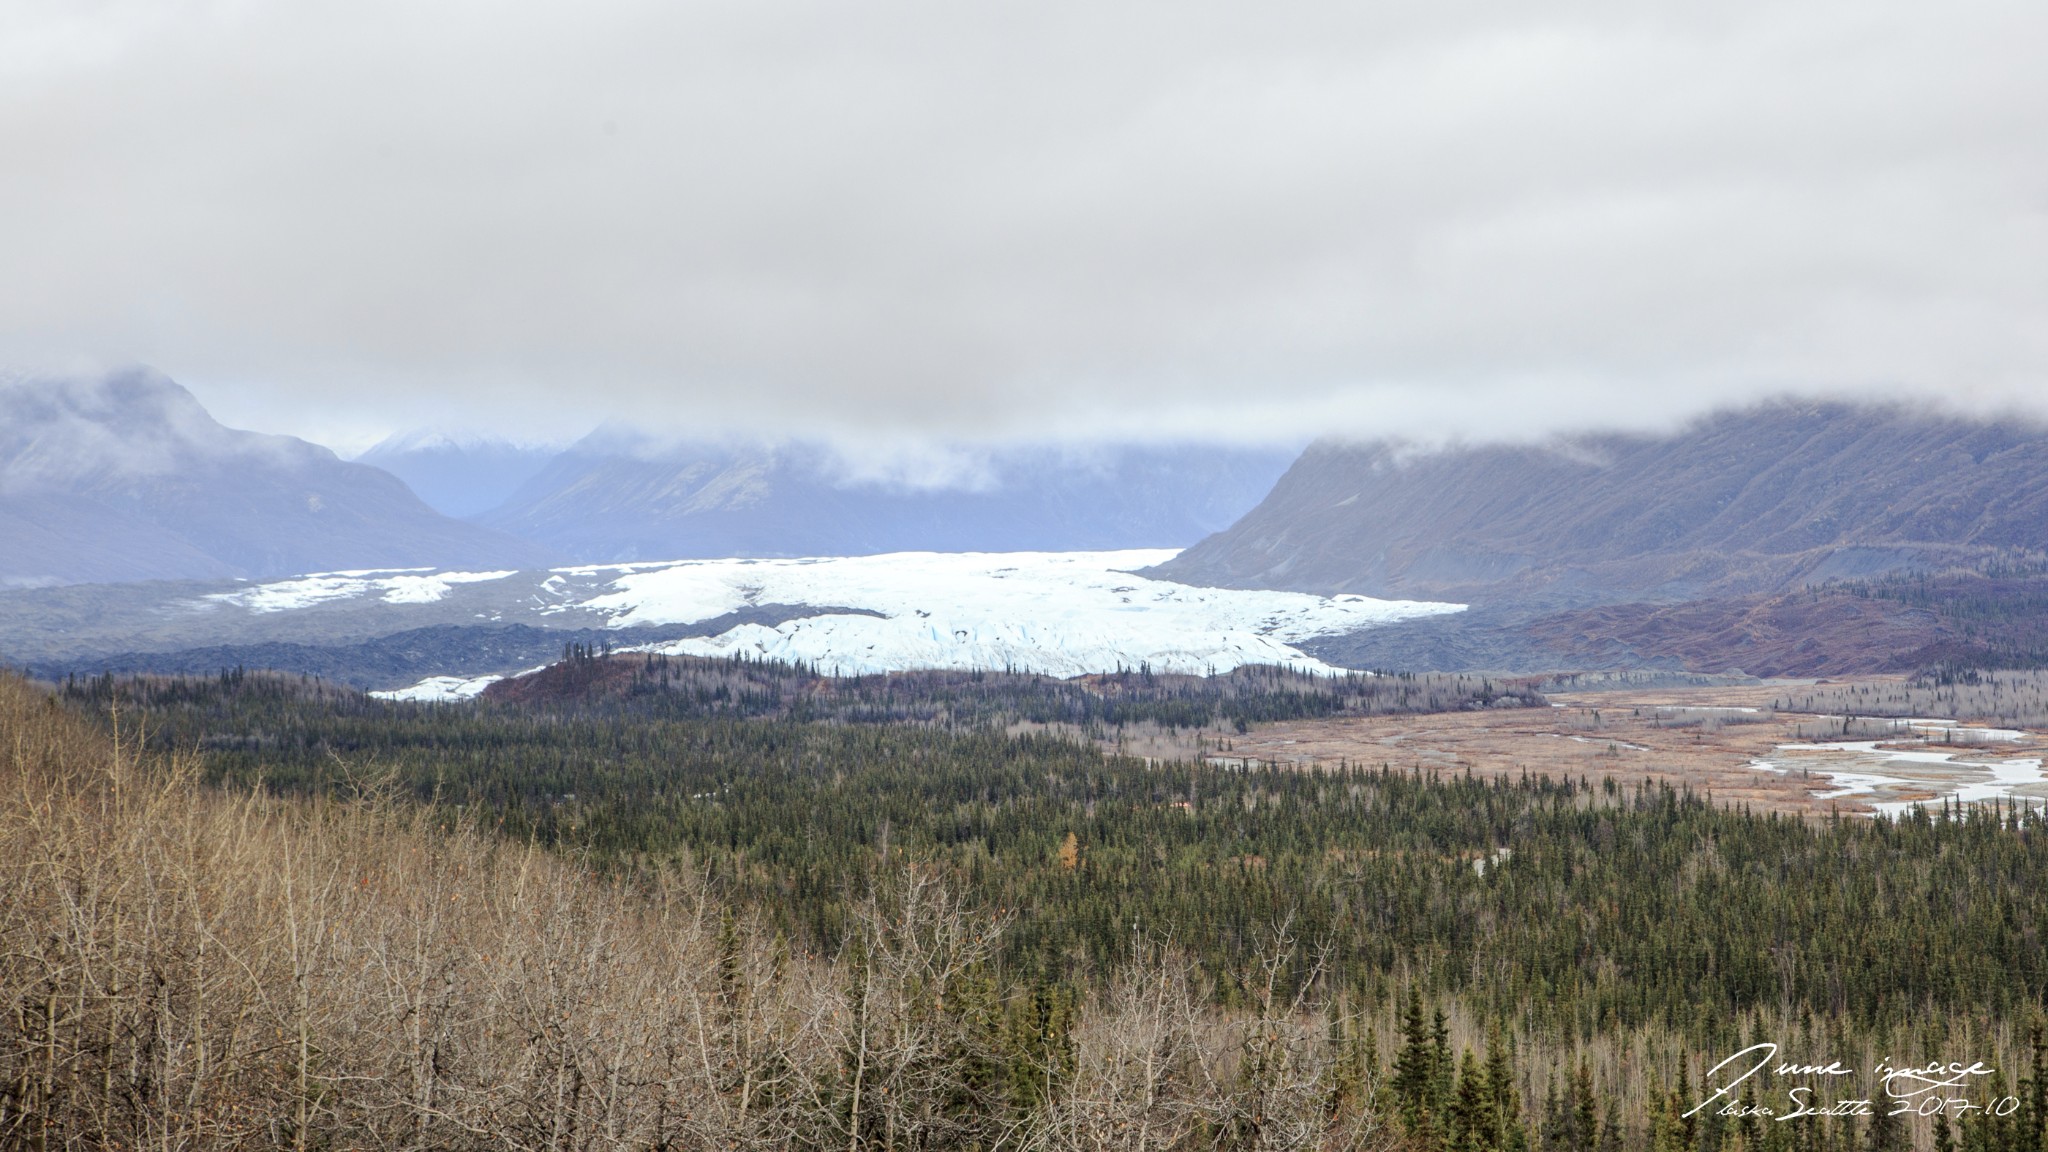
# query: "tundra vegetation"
{"points": [[248, 911]]}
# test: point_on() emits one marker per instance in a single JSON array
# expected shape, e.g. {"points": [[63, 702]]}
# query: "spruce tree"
{"points": [[1471, 1112], [1585, 1114], [1415, 1073]]}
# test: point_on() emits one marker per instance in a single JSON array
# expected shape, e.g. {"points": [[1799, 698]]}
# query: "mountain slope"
{"points": [[613, 498], [126, 477], [1747, 502]]}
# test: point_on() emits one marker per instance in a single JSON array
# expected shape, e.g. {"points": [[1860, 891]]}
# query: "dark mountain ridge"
{"points": [[1757, 501]]}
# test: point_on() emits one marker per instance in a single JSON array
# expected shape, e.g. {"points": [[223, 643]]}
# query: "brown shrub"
{"points": [[186, 968]]}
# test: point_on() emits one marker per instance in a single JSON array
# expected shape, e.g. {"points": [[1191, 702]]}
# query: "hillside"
{"points": [[1758, 501], [689, 685], [1825, 631], [126, 477], [618, 496], [714, 930]]}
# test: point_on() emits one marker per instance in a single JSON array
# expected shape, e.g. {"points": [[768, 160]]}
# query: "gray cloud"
{"points": [[909, 218]]}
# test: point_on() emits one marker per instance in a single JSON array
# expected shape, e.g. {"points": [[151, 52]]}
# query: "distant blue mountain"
{"points": [[617, 496], [459, 475]]}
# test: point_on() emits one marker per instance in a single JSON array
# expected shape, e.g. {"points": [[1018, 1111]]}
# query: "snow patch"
{"points": [[392, 585], [440, 689], [444, 689]]}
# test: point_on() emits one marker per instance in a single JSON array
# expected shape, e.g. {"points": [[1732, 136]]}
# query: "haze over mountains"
{"points": [[618, 496], [621, 495], [1719, 547], [126, 477], [459, 474]]}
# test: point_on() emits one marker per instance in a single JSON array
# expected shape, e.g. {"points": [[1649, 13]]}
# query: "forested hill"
{"points": [[1754, 501], [766, 934], [650, 684]]}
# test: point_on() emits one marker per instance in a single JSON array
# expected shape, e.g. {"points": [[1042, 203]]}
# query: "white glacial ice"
{"points": [[1055, 613], [394, 586], [1052, 613]]}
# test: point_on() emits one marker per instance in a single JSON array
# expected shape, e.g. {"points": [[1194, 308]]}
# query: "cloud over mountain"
{"points": [[1760, 500], [126, 477], [619, 495]]}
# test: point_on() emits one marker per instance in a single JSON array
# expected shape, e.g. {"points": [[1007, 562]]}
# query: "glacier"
{"points": [[1050, 613]]}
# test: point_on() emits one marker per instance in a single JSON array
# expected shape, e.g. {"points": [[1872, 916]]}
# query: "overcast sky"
{"points": [[1003, 219]]}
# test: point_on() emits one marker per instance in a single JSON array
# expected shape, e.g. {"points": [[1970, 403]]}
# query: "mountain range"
{"points": [[1785, 539], [126, 477], [619, 496]]}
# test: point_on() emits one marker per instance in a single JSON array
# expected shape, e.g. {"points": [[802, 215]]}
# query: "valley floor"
{"points": [[1753, 745]]}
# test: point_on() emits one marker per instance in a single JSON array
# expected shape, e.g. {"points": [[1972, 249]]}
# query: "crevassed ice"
{"points": [[1056, 613]]}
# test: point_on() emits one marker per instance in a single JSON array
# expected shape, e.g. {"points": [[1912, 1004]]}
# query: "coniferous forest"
{"points": [[1026, 941]]}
